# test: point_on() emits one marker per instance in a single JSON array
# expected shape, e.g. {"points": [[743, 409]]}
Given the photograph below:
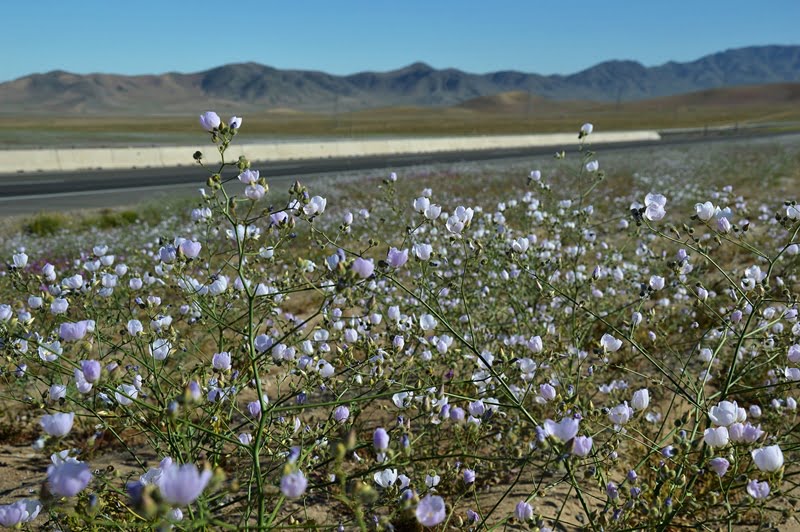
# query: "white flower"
{"points": [[125, 394], [564, 430], [641, 399], [620, 414], [160, 348], [422, 251], [385, 478], [520, 245], [768, 459], [654, 206], [315, 206], [421, 204], [427, 322], [20, 260], [432, 212], [704, 211], [727, 413], [609, 343], [716, 437]]}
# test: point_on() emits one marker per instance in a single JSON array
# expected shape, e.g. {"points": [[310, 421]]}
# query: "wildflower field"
{"points": [[584, 342]]}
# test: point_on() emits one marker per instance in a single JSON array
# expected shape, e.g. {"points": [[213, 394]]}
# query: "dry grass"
{"points": [[508, 113]]}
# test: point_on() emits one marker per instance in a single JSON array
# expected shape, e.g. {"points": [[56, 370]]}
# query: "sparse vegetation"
{"points": [[576, 343]]}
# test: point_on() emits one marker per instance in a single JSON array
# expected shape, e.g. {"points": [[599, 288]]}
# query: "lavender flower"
{"points": [[221, 361], [582, 446], [341, 413], [719, 466], [564, 430], [758, 490], [23, 511], [210, 120], [523, 511], [57, 425], [363, 267], [431, 511], [293, 485], [397, 258], [469, 476], [91, 370], [70, 332], [67, 477], [181, 485], [768, 459], [380, 439]]}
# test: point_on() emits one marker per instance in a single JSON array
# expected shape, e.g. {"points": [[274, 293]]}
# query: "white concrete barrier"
{"points": [[16, 161]]}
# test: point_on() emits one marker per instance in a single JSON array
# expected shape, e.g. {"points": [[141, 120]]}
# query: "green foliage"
{"points": [[45, 224]]}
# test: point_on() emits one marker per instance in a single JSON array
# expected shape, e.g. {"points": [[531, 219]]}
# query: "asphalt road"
{"points": [[63, 191]]}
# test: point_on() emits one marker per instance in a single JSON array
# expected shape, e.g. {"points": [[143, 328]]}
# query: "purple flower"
{"points": [[582, 446], [469, 476], [523, 511], [91, 370], [182, 484], [294, 484], [221, 361], [431, 511], [235, 122], [472, 516], [71, 332], [210, 120], [758, 490], [547, 392], [719, 466], [341, 413], [193, 391], [397, 258], [363, 267], [57, 425], [254, 408], [612, 490], [23, 511], [67, 478], [380, 439]]}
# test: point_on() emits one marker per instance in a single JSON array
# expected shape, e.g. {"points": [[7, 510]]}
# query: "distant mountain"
{"points": [[774, 95], [251, 87]]}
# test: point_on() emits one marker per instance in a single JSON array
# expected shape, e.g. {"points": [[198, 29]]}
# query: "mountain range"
{"points": [[252, 87]]}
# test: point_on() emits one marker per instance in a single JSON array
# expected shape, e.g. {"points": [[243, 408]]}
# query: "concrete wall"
{"points": [[18, 161]]}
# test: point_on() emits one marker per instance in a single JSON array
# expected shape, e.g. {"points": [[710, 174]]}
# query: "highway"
{"points": [[63, 191]]}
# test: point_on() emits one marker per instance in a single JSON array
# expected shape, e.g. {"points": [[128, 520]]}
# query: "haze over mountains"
{"points": [[251, 87]]}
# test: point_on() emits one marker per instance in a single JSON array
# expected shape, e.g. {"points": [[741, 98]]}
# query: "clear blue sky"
{"points": [[342, 37]]}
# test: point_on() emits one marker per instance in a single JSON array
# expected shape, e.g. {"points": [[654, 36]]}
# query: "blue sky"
{"points": [[342, 37]]}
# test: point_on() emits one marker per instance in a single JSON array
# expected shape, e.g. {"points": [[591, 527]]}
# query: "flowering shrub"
{"points": [[547, 361]]}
